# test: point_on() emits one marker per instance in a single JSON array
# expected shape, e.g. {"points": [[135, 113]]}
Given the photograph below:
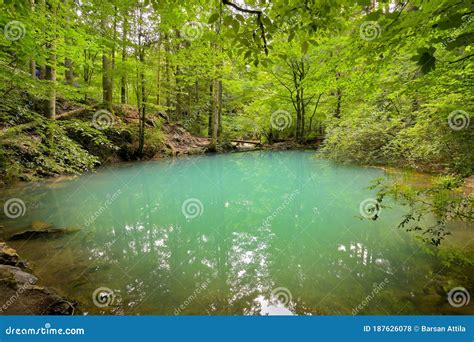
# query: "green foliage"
{"points": [[444, 201]]}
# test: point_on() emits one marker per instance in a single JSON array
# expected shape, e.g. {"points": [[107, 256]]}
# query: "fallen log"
{"points": [[72, 112], [255, 142]]}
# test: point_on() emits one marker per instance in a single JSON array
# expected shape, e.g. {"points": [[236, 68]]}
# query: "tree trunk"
{"points": [[106, 82], [337, 113], [50, 75], [210, 125], [33, 68], [178, 111], [158, 76], [215, 115], [68, 73], [168, 77], [141, 91], [219, 111], [123, 81], [32, 64]]}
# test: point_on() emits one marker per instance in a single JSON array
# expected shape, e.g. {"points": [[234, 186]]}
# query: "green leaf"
{"points": [[304, 47], [213, 18], [228, 20], [235, 25]]}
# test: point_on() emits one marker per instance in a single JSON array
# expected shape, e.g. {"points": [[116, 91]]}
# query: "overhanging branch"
{"points": [[259, 20]]}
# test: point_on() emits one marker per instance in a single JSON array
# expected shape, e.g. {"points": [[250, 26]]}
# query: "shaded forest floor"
{"points": [[32, 147], [82, 138]]}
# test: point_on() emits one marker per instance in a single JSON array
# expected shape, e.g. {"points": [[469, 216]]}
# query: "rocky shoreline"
{"points": [[21, 292]]}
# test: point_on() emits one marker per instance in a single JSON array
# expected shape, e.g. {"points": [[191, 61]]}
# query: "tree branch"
{"points": [[259, 20], [461, 59]]}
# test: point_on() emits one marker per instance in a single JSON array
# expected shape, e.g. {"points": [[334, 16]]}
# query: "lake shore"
{"points": [[21, 292]]}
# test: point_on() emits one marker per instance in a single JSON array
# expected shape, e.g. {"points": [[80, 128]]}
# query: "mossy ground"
{"points": [[33, 147]]}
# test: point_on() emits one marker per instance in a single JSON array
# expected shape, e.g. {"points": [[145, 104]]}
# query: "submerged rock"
{"points": [[33, 300], [42, 229], [19, 294], [15, 273], [9, 256]]}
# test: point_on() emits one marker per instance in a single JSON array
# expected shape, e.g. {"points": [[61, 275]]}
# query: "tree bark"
{"points": [[32, 64], [337, 113], [50, 75], [219, 111], [210, 126], [215, 115], [107, 83], [123, 81], [68, 73], [141, 90]]}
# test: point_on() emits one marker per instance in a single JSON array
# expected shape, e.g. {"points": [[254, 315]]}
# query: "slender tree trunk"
{"points": [[33, 68], [314, 112], [158, 76], [106, 82], [68, 73], [210, 125], [219, 111], [141, 89], [112, 52], [168, 77], [178, 109], [337, 112], [32, 64], [123, 81], [42, 72], [216, 111], [142, 112], [215, 115], [196, 93], [51, 76]]}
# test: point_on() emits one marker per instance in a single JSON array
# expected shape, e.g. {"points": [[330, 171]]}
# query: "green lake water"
{"points": [[236, 234]]}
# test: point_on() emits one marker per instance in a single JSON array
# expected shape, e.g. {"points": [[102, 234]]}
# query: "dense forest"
{"points": [[382, 82]]}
